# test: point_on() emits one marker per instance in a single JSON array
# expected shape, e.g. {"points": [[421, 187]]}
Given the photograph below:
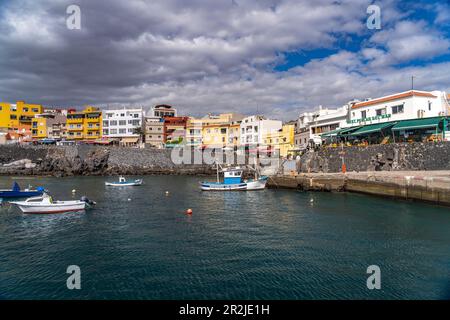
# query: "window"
{"points": [[136, 122], [105, 123], [381, 112], [122, 122], [397, 109], [113, 123], [113, 131], [364, 114], [13, 117], [105, 132], [122, 130], [256, 129], [35, 110], [130, 130], [136, 115], [25, 109], [223, 130], [122, 114], [429, 105]]}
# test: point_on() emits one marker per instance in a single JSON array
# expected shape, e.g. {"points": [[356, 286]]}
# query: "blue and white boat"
{"points": [[233, 181], [16, 192], [124, 183]]}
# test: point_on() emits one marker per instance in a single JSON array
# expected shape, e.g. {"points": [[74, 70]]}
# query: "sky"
{"points": [[273, 57]]}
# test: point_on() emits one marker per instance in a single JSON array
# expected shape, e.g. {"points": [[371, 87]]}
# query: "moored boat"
{"points": [[233, 181], [16, 192], [124, 183], [45, 204]]}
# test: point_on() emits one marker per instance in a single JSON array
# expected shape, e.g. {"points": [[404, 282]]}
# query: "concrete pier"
{"points": [[430, 186]]}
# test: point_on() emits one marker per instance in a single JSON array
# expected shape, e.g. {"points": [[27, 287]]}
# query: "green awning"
{"points": [[372, 128], [331, 133], [417, 124], [339, 132]]}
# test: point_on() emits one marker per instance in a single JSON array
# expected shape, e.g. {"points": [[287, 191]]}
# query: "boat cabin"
{"points": [[232, 176], [122, 179]]}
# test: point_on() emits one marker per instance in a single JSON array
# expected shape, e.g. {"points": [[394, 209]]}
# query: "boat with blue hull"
{"points": [[233, 181], [16, 192]]}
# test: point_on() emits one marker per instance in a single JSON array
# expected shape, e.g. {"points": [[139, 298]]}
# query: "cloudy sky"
{"points": [[277, 57]]}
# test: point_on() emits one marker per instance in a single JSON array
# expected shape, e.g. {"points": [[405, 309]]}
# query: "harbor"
{"points": [[138, 243]]}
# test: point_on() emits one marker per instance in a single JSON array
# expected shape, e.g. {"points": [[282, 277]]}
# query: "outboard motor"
{"points": [[89, 202]]}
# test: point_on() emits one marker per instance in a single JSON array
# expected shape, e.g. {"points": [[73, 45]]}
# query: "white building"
{"points": [[302, 131], [316, 123], [162, 111], [254, 127], [123, 124], [400, 106]]}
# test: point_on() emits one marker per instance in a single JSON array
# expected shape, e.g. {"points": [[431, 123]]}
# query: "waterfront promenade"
{"points": [[431, 186]]}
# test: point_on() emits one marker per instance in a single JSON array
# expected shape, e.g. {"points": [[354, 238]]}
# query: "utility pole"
{"points": [[412, 82]]}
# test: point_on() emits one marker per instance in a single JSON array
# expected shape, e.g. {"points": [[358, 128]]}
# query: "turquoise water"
{"points": [[273, 244]]}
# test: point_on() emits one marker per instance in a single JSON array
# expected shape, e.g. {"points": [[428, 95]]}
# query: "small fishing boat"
{"points": [[45, 204], [124, 183], [16, 192], [233, 181]]}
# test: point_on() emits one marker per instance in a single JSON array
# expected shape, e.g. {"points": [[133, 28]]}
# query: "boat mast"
{"points": [[217, 167]]}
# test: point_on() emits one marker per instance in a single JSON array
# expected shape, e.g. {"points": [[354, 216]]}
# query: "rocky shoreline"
{"points": [[61, 161]]}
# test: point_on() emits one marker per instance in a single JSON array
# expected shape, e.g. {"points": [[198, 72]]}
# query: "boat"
{"points": [[45, 204], [233, 181], [16, 192], [124, 183]]}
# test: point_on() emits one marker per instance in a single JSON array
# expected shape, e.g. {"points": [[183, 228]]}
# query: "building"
{"points": [[49, 125], [84, 125], [194, 136], [281, 141], [124, 125], [327, 120], [406, 105], [17, 118], [174, 130], [253, 129], [220, 131], [154, 131], [302, 132], [162, 111]]}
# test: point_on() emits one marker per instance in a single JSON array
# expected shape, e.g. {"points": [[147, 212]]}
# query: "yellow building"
{"points": [[281, 140], [214, 131], [84, 125], [48, 125], [18, 116]]}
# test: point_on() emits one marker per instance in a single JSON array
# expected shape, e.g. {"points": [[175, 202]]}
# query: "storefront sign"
{"points": [[384, 116]]}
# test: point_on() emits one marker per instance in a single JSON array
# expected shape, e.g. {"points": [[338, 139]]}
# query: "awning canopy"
{"points": [[371, 128], [339, 132], [417, 124]]}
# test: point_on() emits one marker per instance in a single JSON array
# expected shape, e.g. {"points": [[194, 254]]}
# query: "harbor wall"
{"points": [[389, 157], [431, 186]]}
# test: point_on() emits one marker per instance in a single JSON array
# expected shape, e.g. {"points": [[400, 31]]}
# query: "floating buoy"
{"points": [[311, 200], [74, 190], [129, 199], [167, 193], [189, 211]]}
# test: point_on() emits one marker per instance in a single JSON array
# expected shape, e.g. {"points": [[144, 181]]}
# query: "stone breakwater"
{"points": [[91, 160], [389, 157], [429, 186]]}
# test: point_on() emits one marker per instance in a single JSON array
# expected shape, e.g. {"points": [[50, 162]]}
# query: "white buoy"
{"points": [[74, 191], [167, 193], [129, 199]]}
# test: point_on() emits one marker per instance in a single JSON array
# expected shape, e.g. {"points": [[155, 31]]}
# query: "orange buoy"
{"points": [[189, 211]]}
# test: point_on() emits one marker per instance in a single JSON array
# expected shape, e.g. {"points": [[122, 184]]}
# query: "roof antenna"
{"points": [[412, 83]]}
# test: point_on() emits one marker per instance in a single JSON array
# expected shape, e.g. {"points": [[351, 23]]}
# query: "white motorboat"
{"points": [[45, 204], [124, 183], [233, 181]]}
